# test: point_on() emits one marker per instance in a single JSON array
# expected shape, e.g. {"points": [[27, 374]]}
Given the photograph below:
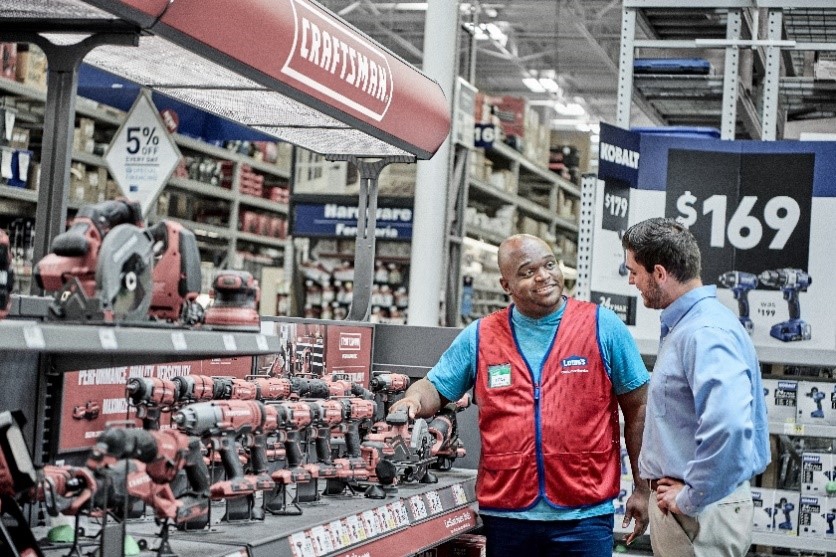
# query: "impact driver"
{"points": [[740, 284], [790, 282]]}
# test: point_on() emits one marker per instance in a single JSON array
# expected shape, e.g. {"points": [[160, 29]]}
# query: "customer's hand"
{"points": [[666, 493]]}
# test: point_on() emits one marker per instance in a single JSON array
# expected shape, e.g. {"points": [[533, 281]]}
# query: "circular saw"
{"points": [[124, 273]]}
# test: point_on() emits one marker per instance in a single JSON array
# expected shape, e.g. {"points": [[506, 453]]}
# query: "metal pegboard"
{"points": [[589, 183]]}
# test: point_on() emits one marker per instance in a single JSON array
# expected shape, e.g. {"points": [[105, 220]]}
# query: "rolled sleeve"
{"points": [[455, 371]]}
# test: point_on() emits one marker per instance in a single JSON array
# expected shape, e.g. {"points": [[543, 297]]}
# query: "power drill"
{"points": [[740, 284], [786, 508], [830, 518], [151, 396], [791, 282], [388, 388]]}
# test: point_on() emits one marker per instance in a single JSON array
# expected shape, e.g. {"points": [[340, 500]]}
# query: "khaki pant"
{"points": [[723, 529]]}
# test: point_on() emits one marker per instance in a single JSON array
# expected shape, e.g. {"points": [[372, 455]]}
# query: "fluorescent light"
{"points": [[550, 85], [569, 109], [533, 85]]}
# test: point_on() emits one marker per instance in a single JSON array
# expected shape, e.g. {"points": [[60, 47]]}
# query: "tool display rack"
{"points": [[210, 237], [762, 40]]}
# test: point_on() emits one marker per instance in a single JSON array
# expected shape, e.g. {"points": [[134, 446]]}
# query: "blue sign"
{"points": [[618, 155], [335, 220]]}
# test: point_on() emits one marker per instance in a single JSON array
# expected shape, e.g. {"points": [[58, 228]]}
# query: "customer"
{"points": [[706, 432], [549, 374]]}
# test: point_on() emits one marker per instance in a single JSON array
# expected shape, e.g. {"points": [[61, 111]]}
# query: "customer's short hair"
{"points": [[665, 242]]}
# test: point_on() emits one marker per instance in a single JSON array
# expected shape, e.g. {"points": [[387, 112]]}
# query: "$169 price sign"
{"points": [[749, 212]]}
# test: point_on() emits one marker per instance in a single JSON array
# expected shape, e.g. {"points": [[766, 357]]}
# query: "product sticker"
{"points": [[499, 376], [435, 502], [459, 495], [356, 533]]}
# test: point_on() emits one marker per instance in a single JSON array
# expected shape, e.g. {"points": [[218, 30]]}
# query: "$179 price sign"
{"points": [[616, 206], [749, 212]]}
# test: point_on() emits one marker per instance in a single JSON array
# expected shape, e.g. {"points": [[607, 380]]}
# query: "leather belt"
{"points": [[655, 483]]}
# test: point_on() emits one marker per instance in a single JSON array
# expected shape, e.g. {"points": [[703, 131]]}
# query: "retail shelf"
{"points": [[89, 159], [261, 203], [19, 194], [201, 188], [407, 522], [99, 341], [802, 430], [203, 229], [767, 354], [219, 152], [793, 542], [485, 235], [524, 205], [264, 240], [542, 174]]}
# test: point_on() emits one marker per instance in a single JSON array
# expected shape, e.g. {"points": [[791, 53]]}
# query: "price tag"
{"points": [[458, 494], [399, 511], [388, 517], [616, 206], [749, 212], [419, 509], [370, 523], [107, 337], [261, 342], [793, 429], [434, 502], [321, 540], [356, 532], [33, 337], [229, 343], [339, 536], [301, 546], [178, 339]]}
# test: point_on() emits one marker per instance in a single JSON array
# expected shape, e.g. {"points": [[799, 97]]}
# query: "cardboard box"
{"points": [[31, 67], [781, 400], [818, 472], [776, 511], [8, 60], [812, 518]]}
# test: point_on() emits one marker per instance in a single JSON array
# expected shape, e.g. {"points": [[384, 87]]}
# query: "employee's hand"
{"points": [[637, 510], [411, 405], [666, 493]]}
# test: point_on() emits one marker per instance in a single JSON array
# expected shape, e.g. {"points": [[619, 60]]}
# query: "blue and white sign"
{"points": [[334, 220]]}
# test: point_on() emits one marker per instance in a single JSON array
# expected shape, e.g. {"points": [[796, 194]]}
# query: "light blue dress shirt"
{"points": [[455, 372], [706, 415]]}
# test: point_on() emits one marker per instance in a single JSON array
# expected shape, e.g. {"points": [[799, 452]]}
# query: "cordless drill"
{"points": [[790, 282], [151, 396], [785, 507], [740, 284], [830, 518]]}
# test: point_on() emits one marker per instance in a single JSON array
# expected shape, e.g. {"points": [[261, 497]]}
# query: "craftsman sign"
{"points": [[142, 155], [338, 63], [329, 220]]}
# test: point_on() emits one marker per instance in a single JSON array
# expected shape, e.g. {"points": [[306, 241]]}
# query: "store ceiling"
{"points": [[576, 40]]}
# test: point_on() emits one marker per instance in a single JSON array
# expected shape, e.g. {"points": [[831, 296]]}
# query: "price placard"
{"points": [[741, 210], [616, 201]]}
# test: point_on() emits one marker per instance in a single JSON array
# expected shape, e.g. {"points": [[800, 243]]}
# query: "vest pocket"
{"points": [[504, 482]]}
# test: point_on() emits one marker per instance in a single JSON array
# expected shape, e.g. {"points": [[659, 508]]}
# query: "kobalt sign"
{"points": [[338, 63]]}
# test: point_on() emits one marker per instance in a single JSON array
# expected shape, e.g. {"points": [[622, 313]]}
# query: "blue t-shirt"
{"points": [[455, 373]]}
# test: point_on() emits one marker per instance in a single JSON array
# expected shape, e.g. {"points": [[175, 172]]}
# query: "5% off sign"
{"points": [[142, 155]]}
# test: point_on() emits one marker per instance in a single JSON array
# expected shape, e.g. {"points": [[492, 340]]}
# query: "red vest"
{"points": [[559, 440]]}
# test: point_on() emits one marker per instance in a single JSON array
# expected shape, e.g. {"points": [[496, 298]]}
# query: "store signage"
{"points": [[760, 211], [339, 63], [142, 155], [93, 397], [330, 220], [484, 135], [463, 115], [618, 155]]}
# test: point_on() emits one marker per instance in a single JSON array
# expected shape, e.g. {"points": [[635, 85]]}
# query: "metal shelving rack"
{"points": [[789, 28], [113, 118]]}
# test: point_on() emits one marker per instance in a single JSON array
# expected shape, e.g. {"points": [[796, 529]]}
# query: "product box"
{"points": [[776, 511], [816, 517], [781, 400], [31, 67], [8, 60], [818, 472], [816, 403]]}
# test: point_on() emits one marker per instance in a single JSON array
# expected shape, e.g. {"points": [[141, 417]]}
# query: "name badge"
{"points": [[499, 376]]}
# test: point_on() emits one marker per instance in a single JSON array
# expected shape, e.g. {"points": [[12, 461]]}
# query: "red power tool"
{"points": [[7, 277], [17, 476], [236, 295], [444, 428], [177, 275], [75, 253]]}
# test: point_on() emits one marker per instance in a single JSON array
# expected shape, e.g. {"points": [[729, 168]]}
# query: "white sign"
{"points": [[142, 155]]}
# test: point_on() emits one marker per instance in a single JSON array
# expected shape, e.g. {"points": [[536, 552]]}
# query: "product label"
{"points": [[499, 375]]}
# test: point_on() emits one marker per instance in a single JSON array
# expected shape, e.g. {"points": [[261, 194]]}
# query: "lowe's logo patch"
{"points": [[574, 364]]}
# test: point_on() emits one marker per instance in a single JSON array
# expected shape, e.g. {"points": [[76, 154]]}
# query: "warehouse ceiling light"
{"points": [[534, 85]]}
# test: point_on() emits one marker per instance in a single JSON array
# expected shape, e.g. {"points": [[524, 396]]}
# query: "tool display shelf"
{"points": [[414, 518]]}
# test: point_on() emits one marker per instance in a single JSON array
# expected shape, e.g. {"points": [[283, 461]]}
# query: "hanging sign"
{"points": [[142, 155]]}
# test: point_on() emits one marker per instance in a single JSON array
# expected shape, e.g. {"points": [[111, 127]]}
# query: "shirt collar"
{"points": [[550, 319], [671, 315]]}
